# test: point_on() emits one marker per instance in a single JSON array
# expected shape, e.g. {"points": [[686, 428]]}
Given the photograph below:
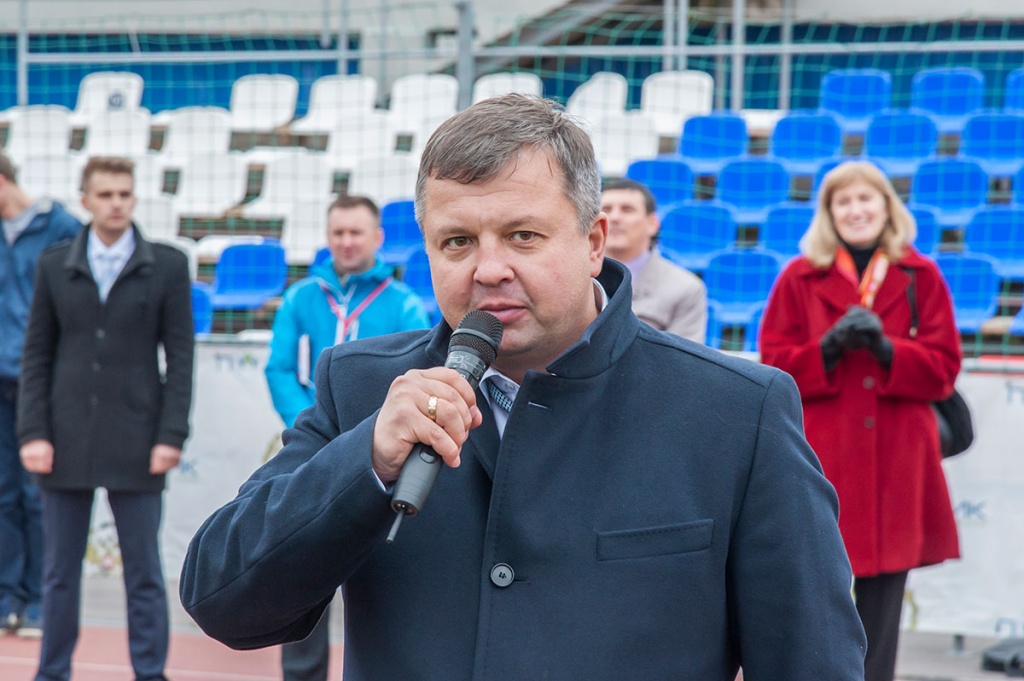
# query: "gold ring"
{"points": [[432, 407]]}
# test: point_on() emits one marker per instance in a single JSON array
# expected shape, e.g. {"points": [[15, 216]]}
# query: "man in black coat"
{"points": [[95, 410]]}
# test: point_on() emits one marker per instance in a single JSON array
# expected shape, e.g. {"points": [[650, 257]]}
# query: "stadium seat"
{"points": [[974, 286], [55, 176], [669, 179], [803, 141], [949, 94], [709, 142], [288, 177], [202, 307], [210, 184], [322, 256], [248, 275], [738, 282], [149, 176], [898, 141], [1013, 99], [751, 186], [41, 130], [367, 135], [402, 234], [155, 216], [421, 101], [504, 82], [603, 93], [784, 226], [716, 328], [819, 176], [672, 97], [854, 95], [335, 99], [620, 138], [929, 232], [118, 132], [385, 178], [416, 276], [956, 187], [995, 141], [263, 102], [998, 231], [692, 231], [1017, 323], [304, 230], [209, 247], [195, 130], [106, 91]]}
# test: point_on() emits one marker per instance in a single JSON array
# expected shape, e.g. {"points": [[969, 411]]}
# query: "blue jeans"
{"points": [[21, 516]]}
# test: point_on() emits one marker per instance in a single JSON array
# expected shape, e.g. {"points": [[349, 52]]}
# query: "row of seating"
{"points": [[954, 187], [949, 95]]}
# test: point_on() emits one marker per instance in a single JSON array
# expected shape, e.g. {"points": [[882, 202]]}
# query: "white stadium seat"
{"points": [[621, 138], [290, 177], [106, 91], [673, 96], [420, 98], [57, 176], [603, 93], [263, 102], [195, 130], [496, 84], [359, 137], [118, 132], [210, 184], [155, 217], [333, 100], [304, 231], [385, 178], [40, 130]]}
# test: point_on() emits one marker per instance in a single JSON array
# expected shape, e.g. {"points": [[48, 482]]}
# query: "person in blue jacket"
{"points": [[353, 295], [617, 502], [29, 226]]}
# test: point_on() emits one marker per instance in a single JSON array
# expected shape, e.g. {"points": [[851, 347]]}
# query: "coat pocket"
{"points": [[655, 541]]}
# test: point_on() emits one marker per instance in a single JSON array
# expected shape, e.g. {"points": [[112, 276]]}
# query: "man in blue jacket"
{"points": [[354, 295], [29, 227], [618, 502]]}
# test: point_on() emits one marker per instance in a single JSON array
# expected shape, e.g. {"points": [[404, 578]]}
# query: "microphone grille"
{"points": [[479, 331]]}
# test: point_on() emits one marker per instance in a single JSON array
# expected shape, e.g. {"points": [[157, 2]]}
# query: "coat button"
{"points": [[96, 366], [94, 400], [502, 575], [869, 382], [101, 334], [869, 422]]}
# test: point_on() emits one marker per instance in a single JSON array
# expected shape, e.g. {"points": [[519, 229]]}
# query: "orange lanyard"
{"points": [[874, 274]]}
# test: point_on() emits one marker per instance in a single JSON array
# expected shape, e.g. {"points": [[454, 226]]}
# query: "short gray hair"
{"points": [[476, 144]]}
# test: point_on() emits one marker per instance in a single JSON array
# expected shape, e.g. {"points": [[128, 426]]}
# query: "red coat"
{"points": [[873, 428]]}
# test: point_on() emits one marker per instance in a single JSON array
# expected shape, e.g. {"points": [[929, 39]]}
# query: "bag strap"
{"points": [[912, 299]]}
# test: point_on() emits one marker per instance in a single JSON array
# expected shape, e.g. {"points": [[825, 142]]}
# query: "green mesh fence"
{"points": [[243, 131]]}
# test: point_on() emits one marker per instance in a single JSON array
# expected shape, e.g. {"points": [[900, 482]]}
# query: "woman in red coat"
{"points": [[839, 321]]}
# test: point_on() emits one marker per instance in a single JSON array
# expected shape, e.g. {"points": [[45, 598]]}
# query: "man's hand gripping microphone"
{"points": [[472, 348]]}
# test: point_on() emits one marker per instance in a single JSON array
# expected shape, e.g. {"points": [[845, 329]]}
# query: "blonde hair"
{"points": [[821, 240]]}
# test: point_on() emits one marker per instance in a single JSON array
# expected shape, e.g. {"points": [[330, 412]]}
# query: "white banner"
{"points": [[983, 592]]}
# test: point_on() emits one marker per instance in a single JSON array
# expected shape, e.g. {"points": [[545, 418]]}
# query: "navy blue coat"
{"points": [[660, 508]]}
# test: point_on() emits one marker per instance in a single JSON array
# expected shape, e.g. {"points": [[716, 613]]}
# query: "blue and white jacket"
{"points": [[305, 325]]}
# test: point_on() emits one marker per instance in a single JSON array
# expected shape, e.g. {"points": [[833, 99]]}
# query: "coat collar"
{"points": [[601, 345], [77, 260], [837, 292]]}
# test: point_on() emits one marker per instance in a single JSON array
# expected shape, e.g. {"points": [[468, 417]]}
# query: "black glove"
{"points": [[858, 329]]}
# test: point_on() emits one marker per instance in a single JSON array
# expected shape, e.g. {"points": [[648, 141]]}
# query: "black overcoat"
{"points": [[92, 382]]}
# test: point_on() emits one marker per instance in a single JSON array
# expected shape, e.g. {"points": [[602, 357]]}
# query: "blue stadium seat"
{"points": [[995, 141], [1013, 98], [709, 142], [248, 275], [322, 256], [202, 307], [692, 231], [898, 141], [803, 141], [1017, 323], [716, 329], [738, 283], [955, 186], [929, 233], [784, 226], [669, 179], [974, 285], [401, 231], [416, 276], [750, 186], [820, 175], [950, 94], [853, 95], [998, 231]]}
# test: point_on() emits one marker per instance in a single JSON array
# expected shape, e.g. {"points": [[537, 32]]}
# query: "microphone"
{"points": [[473, 346]]}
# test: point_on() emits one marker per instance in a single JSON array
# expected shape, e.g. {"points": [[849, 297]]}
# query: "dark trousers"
{"points": [[21, 516], [66, 517], [879, 604], [306, 660]]}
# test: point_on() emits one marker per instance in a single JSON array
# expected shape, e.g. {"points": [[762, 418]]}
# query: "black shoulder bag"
{"points": [[956, 431]]}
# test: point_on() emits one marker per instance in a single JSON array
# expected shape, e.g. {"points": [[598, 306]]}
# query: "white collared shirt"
{"points": [[119, 252]]}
